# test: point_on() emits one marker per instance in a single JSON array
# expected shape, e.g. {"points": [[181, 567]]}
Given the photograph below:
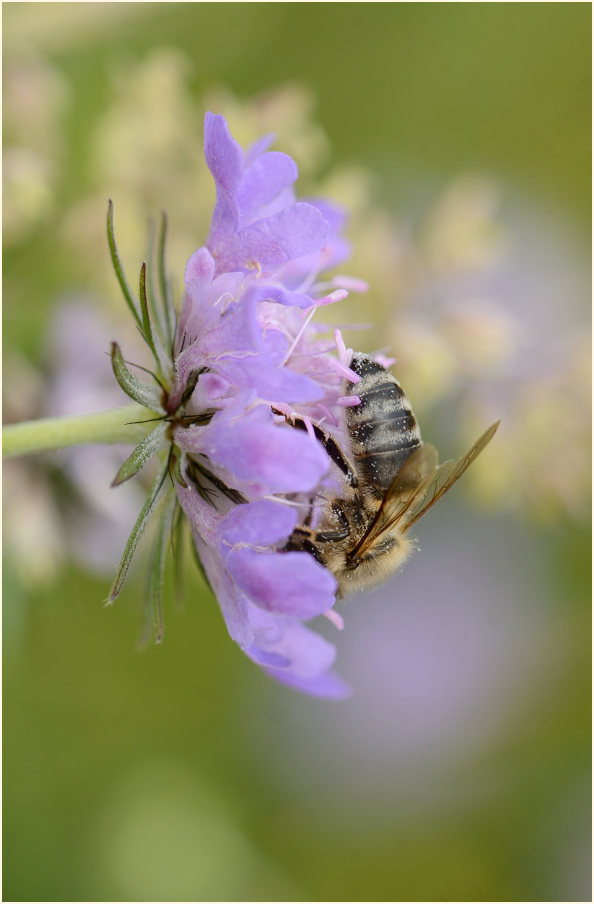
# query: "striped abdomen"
{"points": [[382, 428]]}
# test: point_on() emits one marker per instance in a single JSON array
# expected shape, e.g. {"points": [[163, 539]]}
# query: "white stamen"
{"points": [[237, 355], [299, 335], [320, 266], [289, 502], [327, 414]]}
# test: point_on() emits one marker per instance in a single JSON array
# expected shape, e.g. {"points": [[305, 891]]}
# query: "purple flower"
{"points": [[254, 454], [256, 218], [248, 364]]}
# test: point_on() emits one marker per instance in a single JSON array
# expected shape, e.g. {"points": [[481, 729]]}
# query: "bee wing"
{"points": [[404, 504], [418, 466], [412, 479], [446, 476]]}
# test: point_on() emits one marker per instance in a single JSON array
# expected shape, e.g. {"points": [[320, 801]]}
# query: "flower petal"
{"points": [[297, 230], [263, 181], [199, 271], [328, 686], [259, 523], [271, 383], [280, 295], [272, 457], [259, 146], [306, 653], [233, 604], [225, 160], [290, 583]]}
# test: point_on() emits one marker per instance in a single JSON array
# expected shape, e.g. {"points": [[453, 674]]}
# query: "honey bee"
{"points": [[392, 480]]}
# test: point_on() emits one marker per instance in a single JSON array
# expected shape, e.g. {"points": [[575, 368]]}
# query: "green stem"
{"points": [[113, 426]]}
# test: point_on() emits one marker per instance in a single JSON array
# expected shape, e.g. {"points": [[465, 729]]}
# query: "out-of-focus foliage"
{"points": [[458, 136]]}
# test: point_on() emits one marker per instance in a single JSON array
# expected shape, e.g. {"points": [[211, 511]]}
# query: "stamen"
{"points": [[348, 401], [224, 300], [337, 295], [345, 372], [345, 355], [340, 346], [254, 265], [304, 326], [284, 410], [336, 619], [350, 283], [309, 427], [320, 265], [329, 347], [384, 360], [289, 502], [237, 355], [327, 414]]}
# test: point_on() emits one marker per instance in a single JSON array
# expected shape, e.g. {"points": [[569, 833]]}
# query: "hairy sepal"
{"points": [[155, 442], [156, 573], [148, 509], [144, 393]]}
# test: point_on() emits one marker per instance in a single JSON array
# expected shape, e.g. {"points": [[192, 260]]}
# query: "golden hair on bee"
{"points": [[391, 478]]}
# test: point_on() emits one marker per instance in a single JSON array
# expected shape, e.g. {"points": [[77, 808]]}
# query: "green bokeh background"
{"points": [[164, 775]]}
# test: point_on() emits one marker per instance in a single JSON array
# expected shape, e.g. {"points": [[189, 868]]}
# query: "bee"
{"points": [[391, 478]]}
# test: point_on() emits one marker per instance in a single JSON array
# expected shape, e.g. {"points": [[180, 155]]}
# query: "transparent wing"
{"points": [[413, 478], [446, 476], [417, 487]]}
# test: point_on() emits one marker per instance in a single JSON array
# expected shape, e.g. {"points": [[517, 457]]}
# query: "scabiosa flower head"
{"points": [[247, 375]]}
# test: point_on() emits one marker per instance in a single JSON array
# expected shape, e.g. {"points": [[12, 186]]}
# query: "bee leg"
{"points": [[331, 536], [339, 515], [313, 550], [334, 536], [300, 541], [307, 522], [337, 455]]}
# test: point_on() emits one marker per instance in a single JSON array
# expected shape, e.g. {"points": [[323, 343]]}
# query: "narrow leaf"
{"points": [[150, 276], [165, 292], [117, 266], [179, 553], [156, 571], [147, 511], [177, 472], [147, 328], [156, 302], [154, 442], [143, 393], [151, 335]]}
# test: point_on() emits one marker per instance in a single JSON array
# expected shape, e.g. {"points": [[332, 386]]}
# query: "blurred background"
{"points": [[458, 135]]}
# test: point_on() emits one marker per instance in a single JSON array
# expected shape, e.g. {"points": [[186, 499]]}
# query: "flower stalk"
{"points": [[118, 425]]}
